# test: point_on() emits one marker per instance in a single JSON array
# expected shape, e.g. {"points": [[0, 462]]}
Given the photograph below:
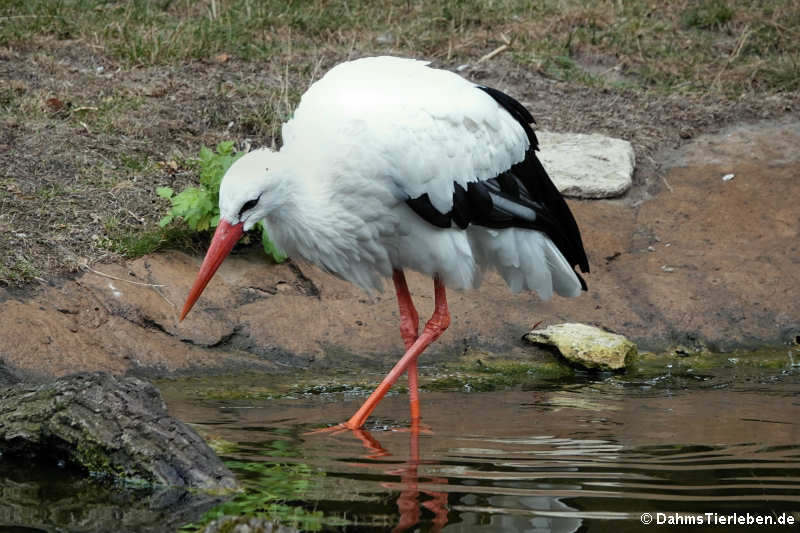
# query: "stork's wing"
{"points": [[523, 197], [457, 153]]}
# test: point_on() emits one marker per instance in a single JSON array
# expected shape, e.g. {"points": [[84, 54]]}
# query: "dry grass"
{"points": [[730, 46]]}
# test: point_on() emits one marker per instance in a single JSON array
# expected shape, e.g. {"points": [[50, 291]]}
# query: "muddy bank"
{"points": [[686, 259]]}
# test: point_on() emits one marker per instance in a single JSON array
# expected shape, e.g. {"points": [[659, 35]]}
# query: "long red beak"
{"points": [[223, 242]]}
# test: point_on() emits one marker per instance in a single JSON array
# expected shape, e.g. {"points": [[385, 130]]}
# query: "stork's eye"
{"points": [[249, 204]]}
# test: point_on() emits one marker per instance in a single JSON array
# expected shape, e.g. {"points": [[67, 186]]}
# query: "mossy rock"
{"points": [[110, 427], [586, 346]]}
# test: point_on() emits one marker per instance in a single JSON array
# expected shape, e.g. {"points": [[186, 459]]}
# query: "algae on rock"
{"points": [[587, 346]]}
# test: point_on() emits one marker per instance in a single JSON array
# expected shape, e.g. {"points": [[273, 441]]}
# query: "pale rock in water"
{"points": [[587, 346], [587, 166]]}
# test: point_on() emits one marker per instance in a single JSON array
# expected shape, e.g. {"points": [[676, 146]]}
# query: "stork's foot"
{"points": [[340, 428], [370, 443]]}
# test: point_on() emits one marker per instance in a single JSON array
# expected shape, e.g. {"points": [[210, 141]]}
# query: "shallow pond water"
{"points": [[589, 455]]}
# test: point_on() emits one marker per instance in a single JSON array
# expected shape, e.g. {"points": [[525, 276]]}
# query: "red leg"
{"points": [[409, 319], [409, 328], [435, 327]]}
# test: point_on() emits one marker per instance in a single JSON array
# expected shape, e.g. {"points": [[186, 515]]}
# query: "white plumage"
{"points": [[388, 164], [367, 137]]}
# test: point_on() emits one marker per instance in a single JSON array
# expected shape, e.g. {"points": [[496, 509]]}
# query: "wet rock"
{"points": [[587, 166], [108, 426], [585, 345], [246, 524]]}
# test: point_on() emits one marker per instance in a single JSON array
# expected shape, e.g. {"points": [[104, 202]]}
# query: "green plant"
{"points": [[17, 271], [136, 243], [274, 491], [199, 206]]}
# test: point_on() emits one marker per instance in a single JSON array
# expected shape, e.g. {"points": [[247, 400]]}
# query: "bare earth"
{"points": [[685, 258]]}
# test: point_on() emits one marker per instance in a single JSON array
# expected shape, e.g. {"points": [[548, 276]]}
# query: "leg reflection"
{"points": [[408, 501]]}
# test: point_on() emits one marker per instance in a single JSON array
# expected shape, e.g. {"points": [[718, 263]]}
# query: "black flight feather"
{"points": [[521, 197], [424, 208]]}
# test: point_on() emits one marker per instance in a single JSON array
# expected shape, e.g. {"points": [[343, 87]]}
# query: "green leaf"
{"points": [[185, 201], [199, 206], [193, 205], [225, 148], [205, 154]]}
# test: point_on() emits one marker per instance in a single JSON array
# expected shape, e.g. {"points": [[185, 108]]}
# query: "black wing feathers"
{"points": [[522, 197], [424, 208]]}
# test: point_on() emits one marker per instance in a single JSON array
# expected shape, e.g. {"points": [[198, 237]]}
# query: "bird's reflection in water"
{"points": [[408, 503]]}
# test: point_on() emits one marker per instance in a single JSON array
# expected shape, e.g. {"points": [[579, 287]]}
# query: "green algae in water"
{"points": [[649, 364], [271, 490], [475, 373], [480, 376], [268, 490], [262, 387]]}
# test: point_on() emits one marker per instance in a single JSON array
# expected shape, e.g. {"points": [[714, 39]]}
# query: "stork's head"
{"points": [[248, 193]]}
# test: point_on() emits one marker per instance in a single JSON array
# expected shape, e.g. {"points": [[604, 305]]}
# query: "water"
{"points": [[592, 455]]}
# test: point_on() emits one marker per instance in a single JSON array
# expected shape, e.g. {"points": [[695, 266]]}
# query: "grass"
{"points": [[17, 270], [136, 243], [707, 15], [731, 46]]}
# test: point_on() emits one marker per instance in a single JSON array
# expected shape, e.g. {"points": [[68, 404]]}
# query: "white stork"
{"points": [[389, 164]]}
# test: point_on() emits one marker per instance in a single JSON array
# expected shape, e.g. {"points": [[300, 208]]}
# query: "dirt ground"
{"points": [[84, 144]]}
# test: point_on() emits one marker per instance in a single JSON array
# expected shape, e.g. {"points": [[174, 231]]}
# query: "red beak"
{"points": [[223, 242]]}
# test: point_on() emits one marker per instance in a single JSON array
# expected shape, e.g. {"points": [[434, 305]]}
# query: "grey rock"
{"points": [[587, 166], [115, 427]]}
